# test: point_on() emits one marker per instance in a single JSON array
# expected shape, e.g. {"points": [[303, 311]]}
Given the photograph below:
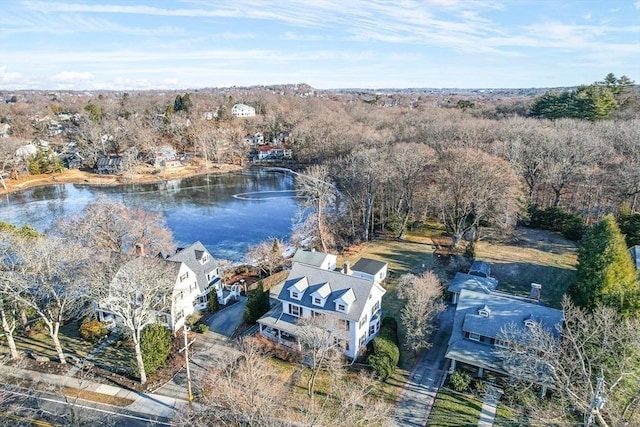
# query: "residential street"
{"points": [[414, 405]]}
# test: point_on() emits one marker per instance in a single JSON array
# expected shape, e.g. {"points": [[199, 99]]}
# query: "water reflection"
{"points": [[226, 212]]}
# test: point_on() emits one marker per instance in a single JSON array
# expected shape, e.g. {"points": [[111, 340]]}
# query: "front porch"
{"points": [[280, 327]]}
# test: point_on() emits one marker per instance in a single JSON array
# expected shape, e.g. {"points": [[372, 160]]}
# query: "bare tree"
{"points": [[47, 276], [410, 165], [243, 390], [596, 357], [266, 255], [321, 337], [320, 193], [422, 297], [136, 293], [109, 225], [473, 187]]}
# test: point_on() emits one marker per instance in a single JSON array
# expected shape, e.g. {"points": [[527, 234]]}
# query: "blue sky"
{"points": [[186, 44]]}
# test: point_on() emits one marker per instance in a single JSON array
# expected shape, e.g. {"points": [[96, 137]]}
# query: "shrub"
{"points": [[460, 381], [192, 319], [386, 353], [212, 302], [156, 346], [555, 219], [93, 331], [201, 328]]}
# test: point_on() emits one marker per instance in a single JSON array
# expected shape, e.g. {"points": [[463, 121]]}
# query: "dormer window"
{"points": [[184, 276], [484, 311], [295, 295], [204, 259], [342, 307], [317, 301]]}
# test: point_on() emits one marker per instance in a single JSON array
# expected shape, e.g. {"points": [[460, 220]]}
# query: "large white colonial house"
{"points": [[314, 289], [191, 273], [243, 110]]}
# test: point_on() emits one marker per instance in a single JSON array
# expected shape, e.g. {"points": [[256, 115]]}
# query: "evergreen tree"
{"points": [[257, 305], [605, 271], [177, 104]]}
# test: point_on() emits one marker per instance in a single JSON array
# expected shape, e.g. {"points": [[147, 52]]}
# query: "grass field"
{"points": [[454, 409]]}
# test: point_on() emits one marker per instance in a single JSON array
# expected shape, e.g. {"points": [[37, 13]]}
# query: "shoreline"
{"points": [[76, 176]]}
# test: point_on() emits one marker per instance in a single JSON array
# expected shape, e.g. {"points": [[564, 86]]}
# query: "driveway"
{"points": [[414, 405], [228, 319]]}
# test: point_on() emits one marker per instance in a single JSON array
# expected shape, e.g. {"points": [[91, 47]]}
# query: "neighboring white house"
{"points": [[193, 275], [243, 110], [368, 269], [310, 290], [315, 259], [207, 274]]}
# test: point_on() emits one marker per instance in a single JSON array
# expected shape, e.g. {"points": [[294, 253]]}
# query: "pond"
{"points": [[226, 212]]}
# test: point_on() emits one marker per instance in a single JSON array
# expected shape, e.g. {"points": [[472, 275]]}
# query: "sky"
{"points": [[328, 44]]}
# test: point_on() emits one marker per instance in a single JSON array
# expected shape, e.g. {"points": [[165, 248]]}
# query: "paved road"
{"points": [[414, 405], [227, 320], [24, 407]]}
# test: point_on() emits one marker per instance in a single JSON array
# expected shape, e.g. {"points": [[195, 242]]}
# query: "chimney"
{"points": [[346, 268], [139, 249], [535, 291]]}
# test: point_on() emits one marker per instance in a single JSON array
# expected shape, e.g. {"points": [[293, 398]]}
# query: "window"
{"points": [[317, 301], [295, 295], [294, 310], [375, 308], [341, 307], [372, 329], [363, 338], [179, 314], [184, 277], [363, 321], [475, 337], [204, 259], [345, 324]]}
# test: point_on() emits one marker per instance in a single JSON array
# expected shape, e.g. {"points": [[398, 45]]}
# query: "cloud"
{"points": [[637, 4], [8, 77], [70, 77]]}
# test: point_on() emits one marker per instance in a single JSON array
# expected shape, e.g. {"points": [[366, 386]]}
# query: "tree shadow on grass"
{"points": [[516, 278]]}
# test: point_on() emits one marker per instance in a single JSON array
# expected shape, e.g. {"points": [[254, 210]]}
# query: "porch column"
{"points": [[452, 368], [480, 372]]}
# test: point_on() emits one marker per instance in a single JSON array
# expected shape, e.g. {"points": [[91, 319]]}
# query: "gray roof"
{"points": [[480, 267], [191, 256], [313, 258], [635, 255], [340, 284], [165, 271], [473, 283], [504, 310], [368, 266]]}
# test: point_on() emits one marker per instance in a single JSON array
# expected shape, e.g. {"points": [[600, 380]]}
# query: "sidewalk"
{"points": [[150, 404], [488, 413]]}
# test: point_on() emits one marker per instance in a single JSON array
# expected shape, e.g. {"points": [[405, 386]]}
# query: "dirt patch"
{"points": [[142, 175]]}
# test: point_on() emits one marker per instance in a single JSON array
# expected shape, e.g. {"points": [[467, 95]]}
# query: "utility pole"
{"points": [[186, 359]]}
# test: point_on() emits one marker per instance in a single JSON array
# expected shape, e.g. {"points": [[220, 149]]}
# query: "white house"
{"points": [[205, 268], [315, 259], [310, 290], [191, 273], [243, 110], [177, 276], [368, 269]]}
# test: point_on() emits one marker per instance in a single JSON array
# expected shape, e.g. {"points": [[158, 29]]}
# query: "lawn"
{"points": [[454, 409], [41, 344]]}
